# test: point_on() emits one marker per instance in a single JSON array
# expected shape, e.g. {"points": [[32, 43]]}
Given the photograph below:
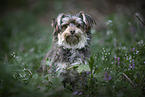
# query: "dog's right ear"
{"points": [[56, 29], [56, 23], [55, 26], [59, 18]]}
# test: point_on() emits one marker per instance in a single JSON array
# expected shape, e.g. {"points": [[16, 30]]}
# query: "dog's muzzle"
{"points": [[72, 38], [72, 32]]}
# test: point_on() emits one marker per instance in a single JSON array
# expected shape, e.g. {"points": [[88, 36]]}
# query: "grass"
{"points": [[117, 64]]}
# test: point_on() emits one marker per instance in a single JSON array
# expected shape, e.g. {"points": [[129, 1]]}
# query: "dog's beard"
{"points": [[78, 40], [72, 39]]}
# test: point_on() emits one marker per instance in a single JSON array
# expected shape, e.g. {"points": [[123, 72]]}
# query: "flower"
{"points": [[108, 22], [115, 58], [88, 72], [75, 93], [133, 48], [114, 44], [130, 66], [80, 93], [119, 44], [132, 60], [118, 58], [107, 77], [133, 65]]}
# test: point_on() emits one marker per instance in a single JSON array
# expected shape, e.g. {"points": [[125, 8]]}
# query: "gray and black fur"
{"points": [[60, 54]]}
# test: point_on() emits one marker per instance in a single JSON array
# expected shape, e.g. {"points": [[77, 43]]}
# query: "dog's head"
{"points": [[72, 31]]}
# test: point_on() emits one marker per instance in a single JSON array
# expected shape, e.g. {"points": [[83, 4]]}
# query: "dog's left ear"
{"points": [[86, 19]]}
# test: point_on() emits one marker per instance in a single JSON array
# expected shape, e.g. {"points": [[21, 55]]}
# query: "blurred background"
{"points": [[17, 15], [26, 32], [25, 25], [25, 21]]}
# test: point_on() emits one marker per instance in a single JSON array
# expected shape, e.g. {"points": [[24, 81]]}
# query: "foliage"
{"points": [[117, 64]]}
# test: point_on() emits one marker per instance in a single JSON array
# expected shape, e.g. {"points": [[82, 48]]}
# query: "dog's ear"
{"points": [[86, 19], [59, 18], [56, 23], [55, 32]]}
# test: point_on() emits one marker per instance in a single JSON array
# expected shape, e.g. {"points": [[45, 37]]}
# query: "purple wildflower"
{"points": [[114, 44], [130, 66], [88, 72], [133, 48], [133, 65], [107, 77], [115, 58], [75, 93], [80, 93], [118, 60], [132, 60]]}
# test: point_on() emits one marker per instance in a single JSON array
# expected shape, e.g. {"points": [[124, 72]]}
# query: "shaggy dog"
{"points": [[71, 46]]}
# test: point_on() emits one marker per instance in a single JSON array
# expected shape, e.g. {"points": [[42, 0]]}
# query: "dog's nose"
{"points": [[72, 32]]}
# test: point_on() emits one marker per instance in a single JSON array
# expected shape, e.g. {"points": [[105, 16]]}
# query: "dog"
{"points": [[70, 45]]}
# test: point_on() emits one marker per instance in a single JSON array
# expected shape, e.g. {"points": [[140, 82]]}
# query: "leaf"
{"points": [[82, 68], [35, 76], [79, 69], [73, 66], [91, 63]]}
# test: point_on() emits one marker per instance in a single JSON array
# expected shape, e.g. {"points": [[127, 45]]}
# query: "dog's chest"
{"points": [[67, 59], [63, 58], [71, 56]]}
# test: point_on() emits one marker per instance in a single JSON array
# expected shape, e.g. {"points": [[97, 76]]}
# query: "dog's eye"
{"points": [[78, 25], [64, 26]]}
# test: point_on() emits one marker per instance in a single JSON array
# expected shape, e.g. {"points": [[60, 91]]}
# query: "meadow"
{"points": [[116, 66]]}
